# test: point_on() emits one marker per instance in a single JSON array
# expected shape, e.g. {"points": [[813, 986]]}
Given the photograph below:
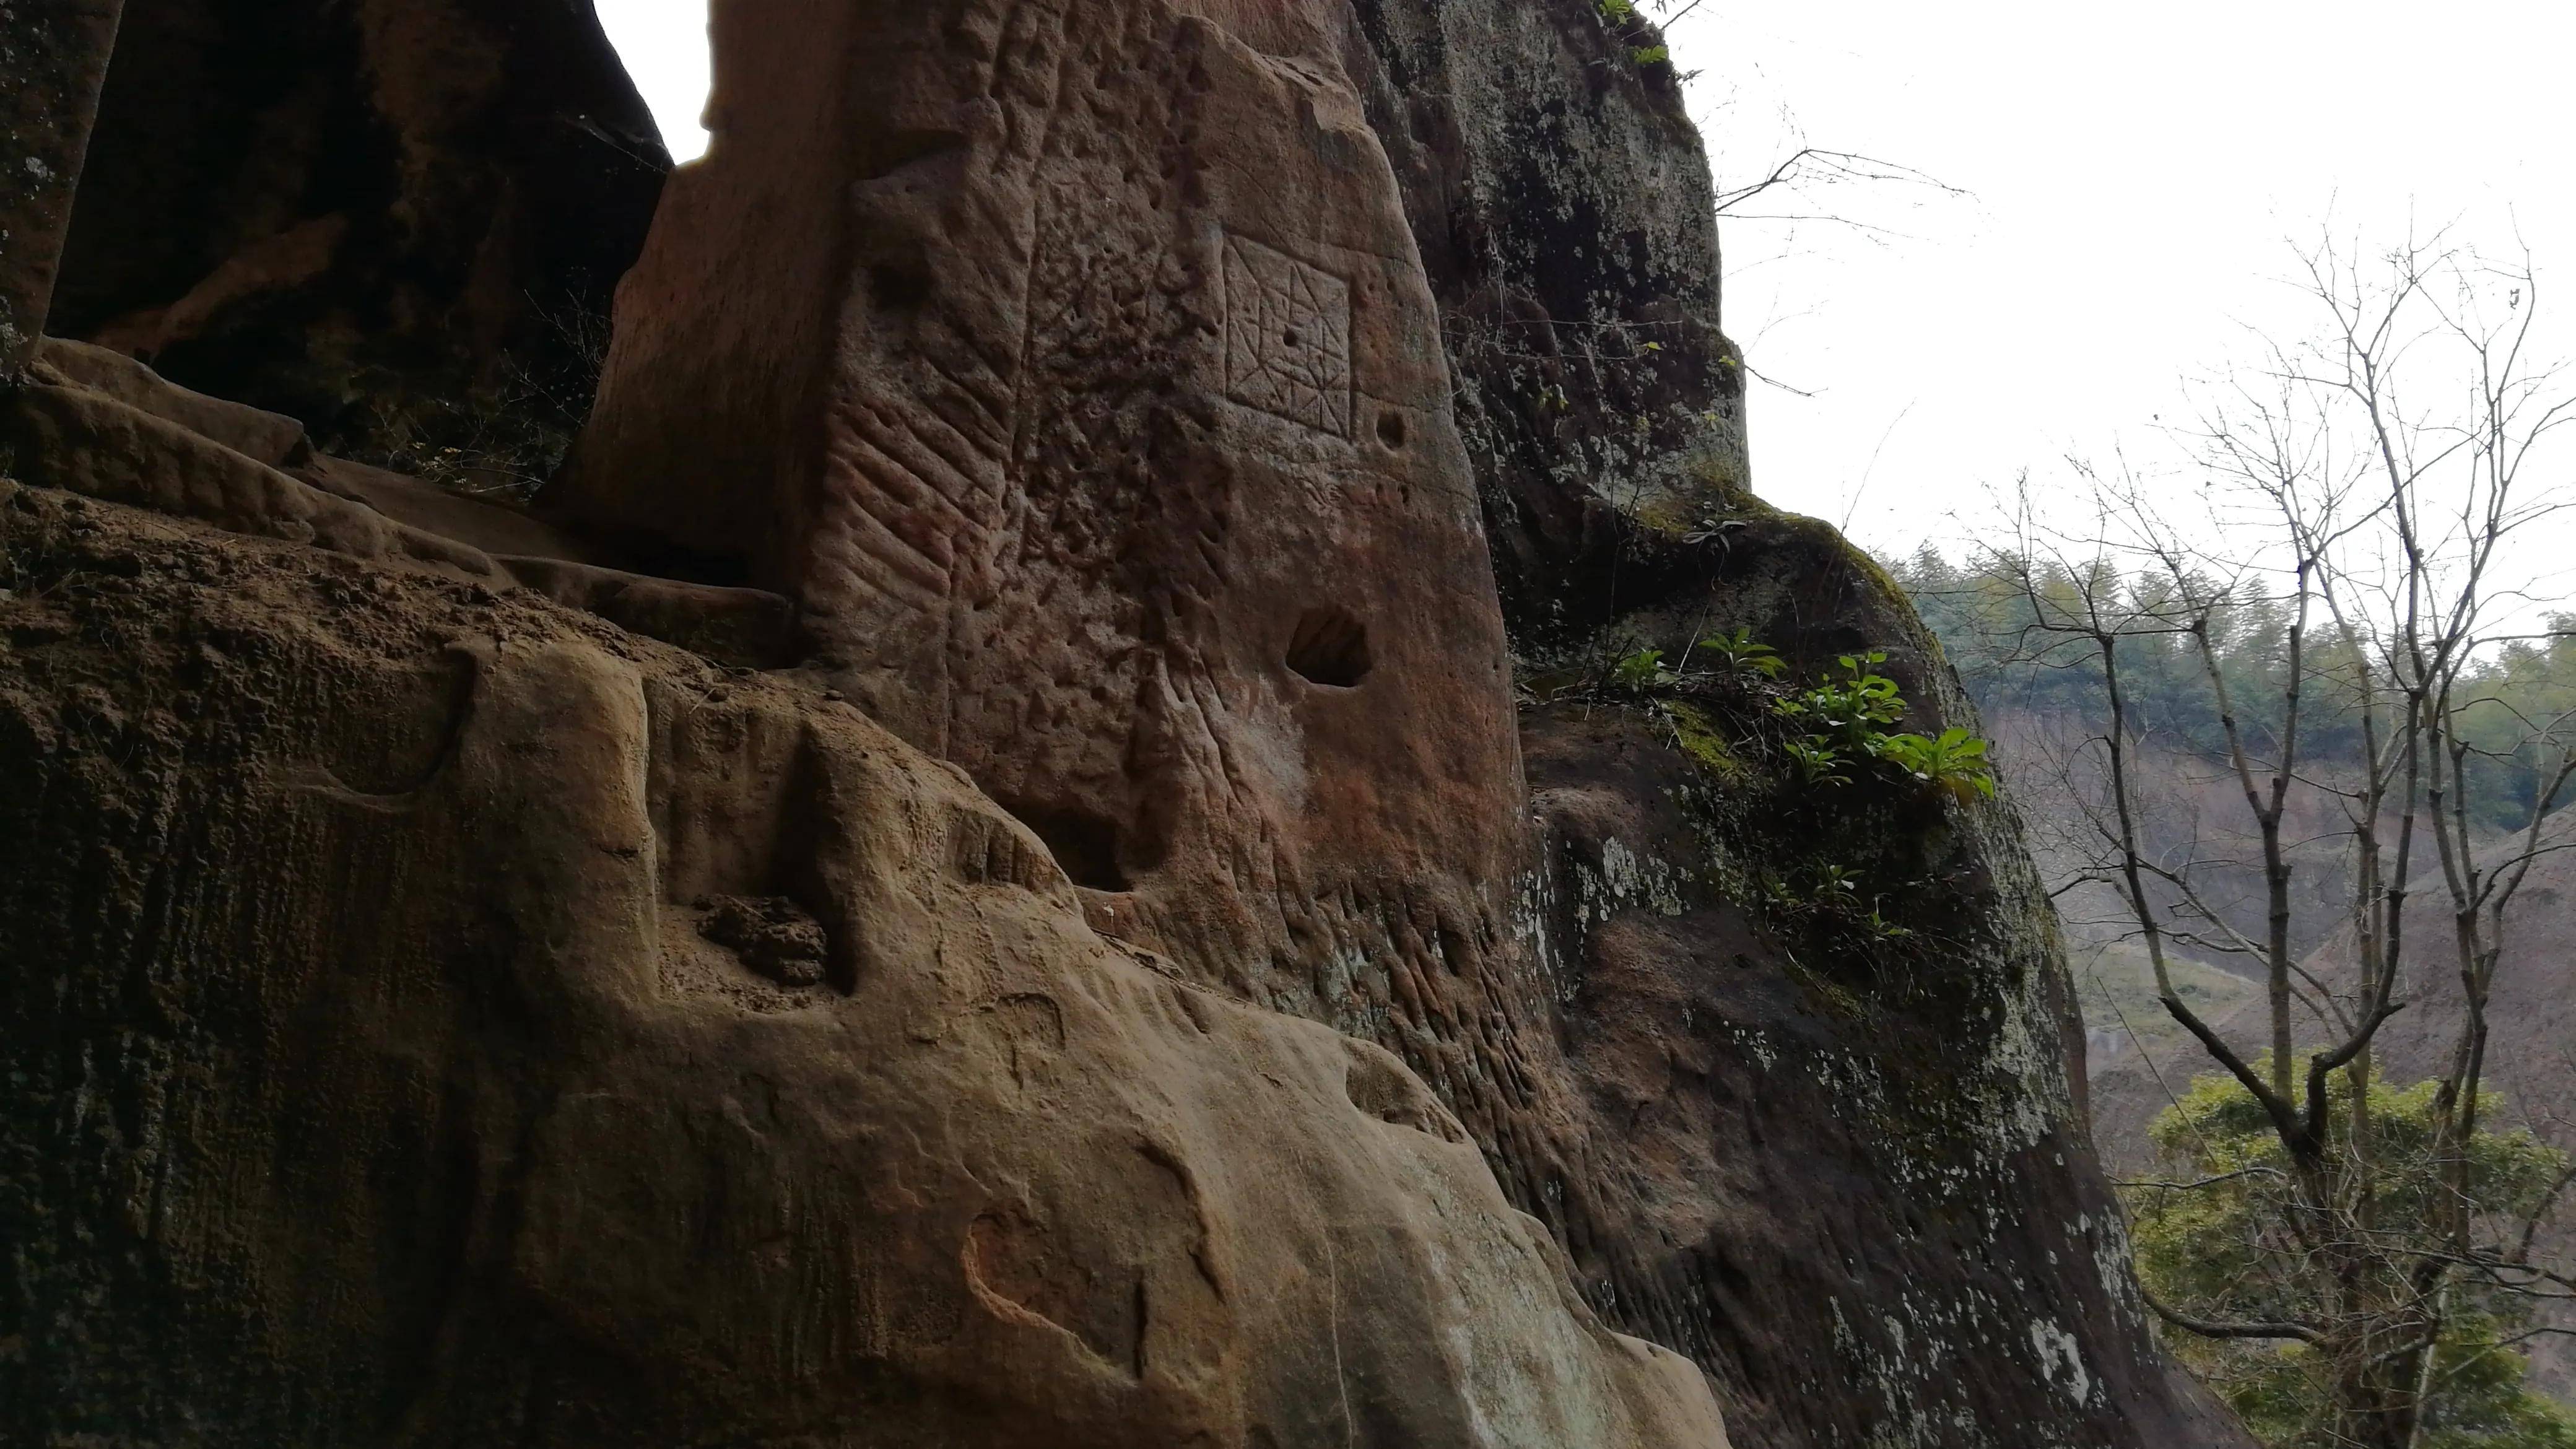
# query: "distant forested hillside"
{"points": [[1997, 633], [2041, 695]]}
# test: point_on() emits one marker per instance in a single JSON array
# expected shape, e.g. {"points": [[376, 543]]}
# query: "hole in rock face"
{"points": [[771, 934], [1390, 429], [899, 287], [1083, 843], [662, 558], [1330, 647]]}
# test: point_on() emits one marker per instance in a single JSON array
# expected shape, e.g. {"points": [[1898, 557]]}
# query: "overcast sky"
{"points": [[2135, 179], [2131, 177]]}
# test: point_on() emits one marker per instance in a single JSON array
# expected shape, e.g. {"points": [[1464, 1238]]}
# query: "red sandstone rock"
{"points": [[111, 429], [1071, 366]]}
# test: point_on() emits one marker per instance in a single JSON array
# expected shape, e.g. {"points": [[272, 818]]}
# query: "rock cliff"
{"points": [[1850, 1175], [397, 220], [1002, 857]]}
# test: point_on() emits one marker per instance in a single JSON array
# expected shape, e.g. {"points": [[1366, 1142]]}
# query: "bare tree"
{"points": [[2370, 484]]}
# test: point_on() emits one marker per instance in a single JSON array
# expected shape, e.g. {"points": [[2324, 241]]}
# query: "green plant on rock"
{"points": [[1643, 670], [1841, 721], [1739, 653], [1878, 927], [1849, 709], [1816, 761], [1831, 894], [1829, 813], [1953, 760], [1846, 715]]}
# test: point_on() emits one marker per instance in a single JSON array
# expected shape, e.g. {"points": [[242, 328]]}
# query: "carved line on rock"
{"points": [[1287, 337]]}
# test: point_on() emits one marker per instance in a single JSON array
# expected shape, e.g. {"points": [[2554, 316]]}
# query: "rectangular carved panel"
{"points": [[1287, 337]]}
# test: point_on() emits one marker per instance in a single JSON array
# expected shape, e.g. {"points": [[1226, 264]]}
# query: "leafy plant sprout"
{"points": [[1846, 714], [1642, 671], [1739, 653]]}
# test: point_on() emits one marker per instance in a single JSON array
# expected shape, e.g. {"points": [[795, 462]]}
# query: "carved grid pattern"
{"points": [[1287, 337]]}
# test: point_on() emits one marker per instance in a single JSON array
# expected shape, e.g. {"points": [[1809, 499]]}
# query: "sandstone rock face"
{"points": [[98, 424], [1071, 366], [1567, 224], [372, 1077], [1846, 1168], [974, 874], [1851, 1178], [387, 219]]}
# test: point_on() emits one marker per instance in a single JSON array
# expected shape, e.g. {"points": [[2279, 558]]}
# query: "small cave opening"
{"points": [[899, 286], [1084, 843], [1330, 647], [1390, 428], [660, 557]]}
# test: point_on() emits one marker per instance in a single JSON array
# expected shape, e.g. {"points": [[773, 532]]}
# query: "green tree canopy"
{"points": [[2226, 1240]]}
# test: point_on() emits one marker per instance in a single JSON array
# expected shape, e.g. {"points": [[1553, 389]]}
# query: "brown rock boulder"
{"points": [[373, 1075], [1849, 1175]]}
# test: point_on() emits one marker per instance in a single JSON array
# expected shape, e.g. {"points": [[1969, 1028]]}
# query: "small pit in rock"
{"points": [[1084, 843], [771, 934], [1390, 428], [899, 287], [1330, 647]]}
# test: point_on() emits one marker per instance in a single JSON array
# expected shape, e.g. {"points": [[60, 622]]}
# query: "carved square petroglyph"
{"points": [[1287, 337]]}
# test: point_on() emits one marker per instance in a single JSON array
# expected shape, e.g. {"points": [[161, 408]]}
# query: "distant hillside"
{"points": [[2129, 1037], [2042, 701], [2041, 708]]}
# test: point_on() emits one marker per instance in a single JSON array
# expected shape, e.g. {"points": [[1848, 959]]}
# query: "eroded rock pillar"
{"points": [[53, 55], [1072, 365]]}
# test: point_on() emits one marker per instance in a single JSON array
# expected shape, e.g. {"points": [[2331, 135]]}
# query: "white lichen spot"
{"points": [[2061, 1362], [1630, 878]]}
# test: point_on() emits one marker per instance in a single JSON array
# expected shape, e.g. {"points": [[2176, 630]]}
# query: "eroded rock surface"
{"points": [[1070, 364], [1102, 436], [368, 1081], [969, 876], [1851, 1178], [1846, 1161]]}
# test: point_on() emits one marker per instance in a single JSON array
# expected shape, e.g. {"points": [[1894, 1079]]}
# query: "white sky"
{"points": [[2134, 177], [664, 45]]}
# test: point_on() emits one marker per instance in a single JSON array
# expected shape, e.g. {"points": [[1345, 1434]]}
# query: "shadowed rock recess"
{"points": [[991, 861]]}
